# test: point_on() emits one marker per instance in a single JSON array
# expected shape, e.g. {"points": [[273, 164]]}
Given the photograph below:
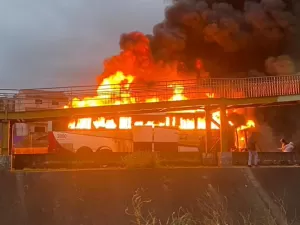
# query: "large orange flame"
{"points": [[115, 90]]}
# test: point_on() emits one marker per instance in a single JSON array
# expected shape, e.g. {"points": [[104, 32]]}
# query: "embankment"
{"points": [[93, 197]]}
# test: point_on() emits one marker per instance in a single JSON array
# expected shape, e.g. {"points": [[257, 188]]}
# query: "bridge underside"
{"points": [[141, 108]]}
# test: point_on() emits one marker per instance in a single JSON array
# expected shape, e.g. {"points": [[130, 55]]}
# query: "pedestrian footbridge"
{"points": [[39, 104], [131, 99]]}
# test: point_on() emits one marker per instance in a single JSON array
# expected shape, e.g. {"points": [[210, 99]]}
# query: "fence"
{"points": [[89, 96]]}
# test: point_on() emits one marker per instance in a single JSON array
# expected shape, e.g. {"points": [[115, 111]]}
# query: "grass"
{"points": [[182, 217], [213, 211]]}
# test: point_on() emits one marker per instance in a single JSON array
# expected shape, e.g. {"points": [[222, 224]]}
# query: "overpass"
{"points": [[238, 92], [221, 93]]}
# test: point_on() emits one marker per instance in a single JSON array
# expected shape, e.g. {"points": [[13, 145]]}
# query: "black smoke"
{"points": [[219, 38], [230, 39], [201, 38]]}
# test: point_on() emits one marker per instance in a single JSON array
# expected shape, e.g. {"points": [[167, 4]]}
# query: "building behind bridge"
{"points": [[32, 100], [8, 102]]}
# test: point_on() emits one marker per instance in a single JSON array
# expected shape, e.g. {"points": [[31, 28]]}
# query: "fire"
{"points": [[126, 123], [210, 95], [249, 124], [102, 122], [116, 86], [189, 124], [115, 90], [177, 93], [82, 123], [241, 140]]}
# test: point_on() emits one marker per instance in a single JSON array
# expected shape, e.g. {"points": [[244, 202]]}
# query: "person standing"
{"points": [[286, 147], [251, 147]]}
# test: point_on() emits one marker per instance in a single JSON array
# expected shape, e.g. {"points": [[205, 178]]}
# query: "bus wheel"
{"points": [[104, 149], [84, 151]]}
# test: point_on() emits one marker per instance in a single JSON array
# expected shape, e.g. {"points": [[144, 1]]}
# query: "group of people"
{"points": [[252, 147]]}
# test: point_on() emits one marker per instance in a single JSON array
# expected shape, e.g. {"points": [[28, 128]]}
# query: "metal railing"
{"points": [[57, 98]]}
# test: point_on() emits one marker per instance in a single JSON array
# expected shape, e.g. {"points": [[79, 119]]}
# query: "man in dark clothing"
{"points": [[251, 147]]}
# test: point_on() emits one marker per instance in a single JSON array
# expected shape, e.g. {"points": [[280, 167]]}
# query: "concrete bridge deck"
{"points": [[117, 99], [102, 196], [239, 92]]}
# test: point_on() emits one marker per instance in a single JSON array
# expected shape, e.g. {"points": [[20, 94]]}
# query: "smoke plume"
{"points": [[207, 37], [201, 38]]}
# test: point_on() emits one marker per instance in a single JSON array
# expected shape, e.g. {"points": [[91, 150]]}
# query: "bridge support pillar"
{"points": [[223, 129], [5, 157], [208, 120]]}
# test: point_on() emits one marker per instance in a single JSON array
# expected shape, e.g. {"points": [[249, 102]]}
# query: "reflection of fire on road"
{"points": [[115, 90]]}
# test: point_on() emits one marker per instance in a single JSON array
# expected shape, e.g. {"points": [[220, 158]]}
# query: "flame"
{"points": [[141, 123], [210, 95], [115, 90], [116, 86], [82, 123], [177, 93], [126, 123], [249, 124], [104, 123], [241, 135], [149, 100]]}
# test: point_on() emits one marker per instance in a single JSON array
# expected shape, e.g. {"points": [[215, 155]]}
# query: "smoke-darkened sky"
{"points": [[47, 43]]}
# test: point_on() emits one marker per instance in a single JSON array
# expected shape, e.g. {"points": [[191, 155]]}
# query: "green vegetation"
{"points": [[213, 212]]}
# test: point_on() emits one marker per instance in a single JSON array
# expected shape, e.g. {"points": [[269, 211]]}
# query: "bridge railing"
{"points": [[54, 98]]}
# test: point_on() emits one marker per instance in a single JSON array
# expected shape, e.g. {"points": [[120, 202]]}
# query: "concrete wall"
{"points": [[101, 196]]}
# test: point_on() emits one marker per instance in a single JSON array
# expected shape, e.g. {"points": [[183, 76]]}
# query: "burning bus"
{"points": [[173, 132]]}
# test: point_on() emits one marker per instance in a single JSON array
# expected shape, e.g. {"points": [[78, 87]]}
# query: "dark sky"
{"points": [[47, 43]]}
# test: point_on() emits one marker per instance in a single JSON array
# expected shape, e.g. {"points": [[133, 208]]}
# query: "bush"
{"points": [[213, 211], [182, 217], [141, 160]]}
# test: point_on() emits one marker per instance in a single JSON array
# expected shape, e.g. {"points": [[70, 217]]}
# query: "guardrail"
{"points": [[55, 98]]}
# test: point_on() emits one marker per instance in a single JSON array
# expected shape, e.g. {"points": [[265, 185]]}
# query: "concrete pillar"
{"points": [[208, 120], [6, 132], [223, 130], [5, 157]]}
